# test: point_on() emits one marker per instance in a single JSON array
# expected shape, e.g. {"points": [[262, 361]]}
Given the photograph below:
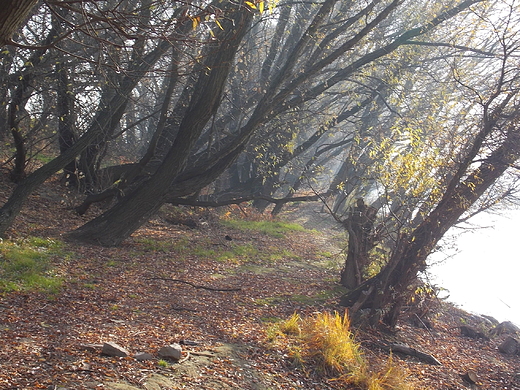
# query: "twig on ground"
{"points": [[184, 358], [195, 285]]}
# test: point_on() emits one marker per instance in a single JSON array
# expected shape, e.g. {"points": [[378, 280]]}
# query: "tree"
{"points": [[118, 223], [103, 121], [489, 151]]}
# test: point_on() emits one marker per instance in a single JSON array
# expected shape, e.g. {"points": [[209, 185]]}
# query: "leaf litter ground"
{"points": [[125, 295]]}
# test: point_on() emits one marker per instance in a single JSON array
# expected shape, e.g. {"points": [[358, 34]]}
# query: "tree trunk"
{"points": [[359, 225], [118, 223], [410, 256], [13, 14]]}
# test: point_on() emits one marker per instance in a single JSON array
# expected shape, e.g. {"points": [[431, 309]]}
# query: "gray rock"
{"points": [[509, 346], [143, 356], [505, 327], [172, 351], [491, 319], [112, 349], [92, 347]]}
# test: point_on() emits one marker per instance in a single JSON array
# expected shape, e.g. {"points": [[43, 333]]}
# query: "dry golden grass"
{"points": [[291, 326], [325, 342]]}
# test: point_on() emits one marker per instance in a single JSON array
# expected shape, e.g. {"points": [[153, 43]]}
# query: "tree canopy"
{"points": [[400, 115]]}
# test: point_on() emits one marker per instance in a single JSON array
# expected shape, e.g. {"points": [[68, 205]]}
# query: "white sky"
{"points": [[484, 276]]}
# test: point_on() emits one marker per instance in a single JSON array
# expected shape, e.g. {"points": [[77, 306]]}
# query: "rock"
{"points": [[470, 377], [91, 347], [505, 327], [172, 351], [468, 331], [112, 349], [509, 346], [491, 319], [141, 356]]}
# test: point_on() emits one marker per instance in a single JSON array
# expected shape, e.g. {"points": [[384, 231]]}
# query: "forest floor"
{"points": [[136, 296]]}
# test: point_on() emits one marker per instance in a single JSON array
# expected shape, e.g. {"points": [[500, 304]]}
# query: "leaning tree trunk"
{"points": [[118, 223], [390, 286]]}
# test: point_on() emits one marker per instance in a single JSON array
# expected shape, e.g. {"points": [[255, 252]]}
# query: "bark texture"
{"points": [[12, 15]]}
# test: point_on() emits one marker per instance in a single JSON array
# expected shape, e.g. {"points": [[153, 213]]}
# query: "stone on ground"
{"points": [[112, 349], [172, 351]]}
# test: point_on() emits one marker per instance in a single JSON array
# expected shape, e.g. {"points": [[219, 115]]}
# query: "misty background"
{"points": [[482, 271]]}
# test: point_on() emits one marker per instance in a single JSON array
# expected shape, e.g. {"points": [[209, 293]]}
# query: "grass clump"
{"points": [[331, 346], [235, 254], [272, 228], [326, 343], [163, 363], [26, 265], [291, 326]]}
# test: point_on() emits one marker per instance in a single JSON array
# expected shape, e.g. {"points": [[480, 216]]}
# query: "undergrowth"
{"points": [[324, 343], [26, 265], [276, 229]]}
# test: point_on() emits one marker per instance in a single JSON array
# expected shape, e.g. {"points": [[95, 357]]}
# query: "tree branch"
{"points": [[200, 203], [450, 45]]}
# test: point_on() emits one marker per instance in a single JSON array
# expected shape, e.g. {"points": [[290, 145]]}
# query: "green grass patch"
{"points": [[271, 320], [26, 265], [43, 158], [272, 228], [236, 254], [203, 252], [268, 301], [163, 363], [277, 254], [152, 245]]}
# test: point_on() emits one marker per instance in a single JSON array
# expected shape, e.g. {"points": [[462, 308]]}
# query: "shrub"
{"points": [[292, 325]]}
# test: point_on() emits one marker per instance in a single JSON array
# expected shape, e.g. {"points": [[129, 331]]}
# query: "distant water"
{"points": [[483, 276]]}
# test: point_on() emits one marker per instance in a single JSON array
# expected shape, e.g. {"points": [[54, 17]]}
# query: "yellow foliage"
{"points": [[407, 164]]}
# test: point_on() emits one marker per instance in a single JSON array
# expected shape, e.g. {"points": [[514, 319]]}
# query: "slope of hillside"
{"points": [[215, 288]]}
